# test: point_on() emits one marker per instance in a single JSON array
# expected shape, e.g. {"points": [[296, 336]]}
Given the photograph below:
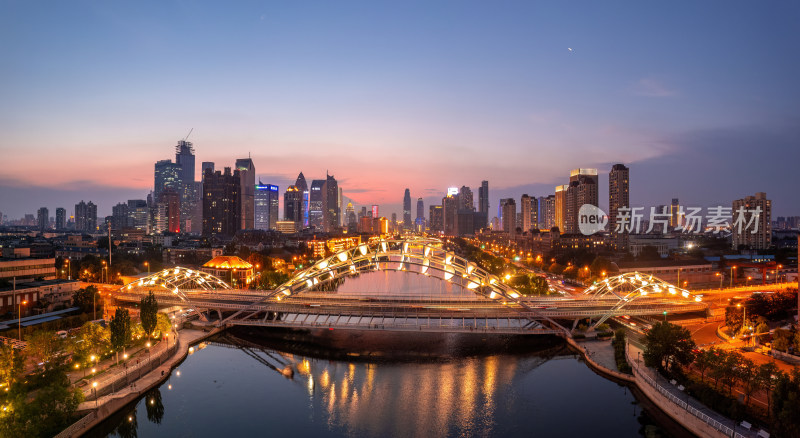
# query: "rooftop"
{"points": [[227, 262]]}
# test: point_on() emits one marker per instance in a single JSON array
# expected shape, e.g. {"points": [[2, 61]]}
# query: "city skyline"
{"points": [[388, 96]]}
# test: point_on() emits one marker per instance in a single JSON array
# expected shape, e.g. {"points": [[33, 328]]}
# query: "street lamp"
{"points": [[94, 387], [19, 319], [148, 268], [733, 272], [721, 277]]}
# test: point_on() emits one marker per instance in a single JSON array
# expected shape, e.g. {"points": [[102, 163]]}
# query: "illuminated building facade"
{"points": [[618, 196], [86, 217], [436, 218], [61, 218], [407, 209], [247, 186], [231, 269], [762, 225], [266, 206], [315, 204], [221, 203]]}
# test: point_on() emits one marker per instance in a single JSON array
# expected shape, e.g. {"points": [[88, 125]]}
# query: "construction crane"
{"points": [[187, 135]]}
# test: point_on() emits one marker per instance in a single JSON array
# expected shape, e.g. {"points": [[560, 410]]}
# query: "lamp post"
{"points": [[94, 387], [19, 319], [148, 267], [721, 277], [733, 271]]}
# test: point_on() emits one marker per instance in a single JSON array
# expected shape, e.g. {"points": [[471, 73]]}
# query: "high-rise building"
{"points": [[340, 206], [315, 204], [525, 207], [465, 200], [753, 227], [61, 218], [119, 216], [436, 218], [510, 217], [247, 173], [43, 218], [266, 206], [450, 213], [559, 206], [206, 165], [86, 217], [293, 205], [350, 214], [167, 176], [222, 203], [618, 196], [168, 212], [675, 219], [582, 190], [547, 218], [300, 185], [407, 209], [483, 197], [184, 158], [139, 215], [330, 204]]}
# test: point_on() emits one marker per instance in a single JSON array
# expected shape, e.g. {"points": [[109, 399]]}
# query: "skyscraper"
{"points": [[759, 234], [315, 203], [582, 189], [247, 173], [450, 213], [293, 206], [674, 214], [168, 212], [86, 217], [525, 208], [350, 214], [119, 216], [300, 184], [222, 203], [407, 209], [419, 222], [184, 158], [266, 206], [483, 197], [167, 175], [559, 207], [330, 204], [547, 218], [139, 215], [61, 218], [436, 218], [510, 217], [618, 196], [43, 218]]}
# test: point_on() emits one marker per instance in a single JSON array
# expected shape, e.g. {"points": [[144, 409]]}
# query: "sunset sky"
{"points": [[700, 99]]}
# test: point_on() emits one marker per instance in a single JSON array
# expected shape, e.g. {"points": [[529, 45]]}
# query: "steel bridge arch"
{"points": [[178, 278], [631, 286], [424, 256]]}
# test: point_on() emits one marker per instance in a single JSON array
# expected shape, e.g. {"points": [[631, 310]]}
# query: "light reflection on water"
{"points": [[224, 391]]}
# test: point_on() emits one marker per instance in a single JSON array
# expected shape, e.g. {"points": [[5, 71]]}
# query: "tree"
{"points": [[86, 299], [163, 324], [120, 330], [148, 309], [46, 347], [11, 364], [702, 361], [766, 378], [781, 339], [92, 339], [748, 375], [667, 344], [786, 405]]}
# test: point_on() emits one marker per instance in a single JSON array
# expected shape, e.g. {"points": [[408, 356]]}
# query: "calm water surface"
{"points": [[225, 391]]}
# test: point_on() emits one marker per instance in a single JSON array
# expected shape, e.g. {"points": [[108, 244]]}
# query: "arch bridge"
{"points": [[452, 295]]}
